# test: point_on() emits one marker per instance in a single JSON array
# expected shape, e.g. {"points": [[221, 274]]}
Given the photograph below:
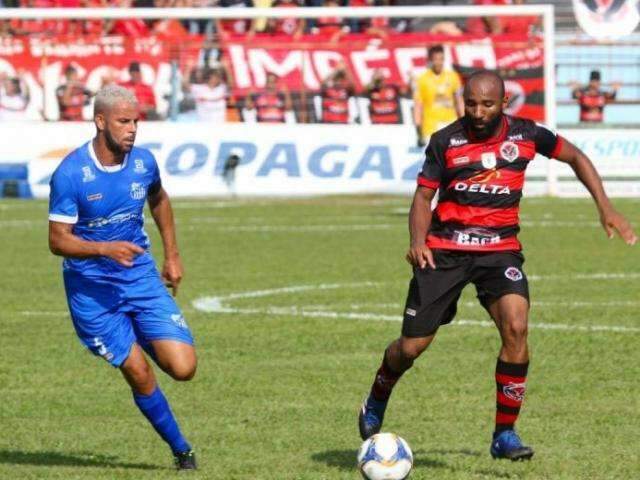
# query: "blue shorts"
{"points": [[110, 315]]}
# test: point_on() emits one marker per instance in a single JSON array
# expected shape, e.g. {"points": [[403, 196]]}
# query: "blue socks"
{"points": [[156, 408]]}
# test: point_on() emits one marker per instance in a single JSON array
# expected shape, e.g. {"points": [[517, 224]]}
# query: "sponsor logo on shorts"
{"points": [[513, 274], [514, 391], [102, 349], [179, 320], [509, 151], [411, 312]]}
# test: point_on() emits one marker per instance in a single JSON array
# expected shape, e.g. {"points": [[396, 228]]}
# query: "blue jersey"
{"points": [[105, 203]]}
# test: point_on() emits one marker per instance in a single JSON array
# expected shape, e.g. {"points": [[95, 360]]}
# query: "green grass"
{"points": [[280, 380]]}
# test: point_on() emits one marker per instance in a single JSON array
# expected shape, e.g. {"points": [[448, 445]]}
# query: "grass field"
{"points": [[302, 297]]}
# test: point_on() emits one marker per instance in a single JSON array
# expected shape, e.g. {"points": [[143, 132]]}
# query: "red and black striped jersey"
{"points": [[480, 183]]}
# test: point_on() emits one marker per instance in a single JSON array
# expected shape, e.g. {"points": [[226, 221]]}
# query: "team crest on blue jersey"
{"points": [[488, 160], [509, 151], [87, 174], [138, 191], [139, 166]]}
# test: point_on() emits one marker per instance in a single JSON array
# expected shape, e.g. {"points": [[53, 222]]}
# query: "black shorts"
{"points": [[433, 294]]}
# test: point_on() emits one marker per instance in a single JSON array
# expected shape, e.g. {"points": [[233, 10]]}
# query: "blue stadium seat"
{"points": [[14, 171], [14, 180]]}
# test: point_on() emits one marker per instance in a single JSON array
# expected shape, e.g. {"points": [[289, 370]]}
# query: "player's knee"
{"points": [[515, 329], [410, 349], [183, 371]]}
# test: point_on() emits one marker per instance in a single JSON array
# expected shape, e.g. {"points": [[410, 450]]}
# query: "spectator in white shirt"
{"points": [[14, 98], [210, 97]]}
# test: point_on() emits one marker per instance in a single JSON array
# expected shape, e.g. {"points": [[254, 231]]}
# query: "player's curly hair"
{"points": [[108, 96]]}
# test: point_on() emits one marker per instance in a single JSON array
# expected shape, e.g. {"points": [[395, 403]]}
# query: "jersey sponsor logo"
{"points": [[139, 166], [514, 391], [461, 160], [87, 174], [457, 141], [513, 138], [138, 191], [488, 160], [509, 151], [93, 197], [475, 236], [482, 188], [513, 274], [120, 218]]}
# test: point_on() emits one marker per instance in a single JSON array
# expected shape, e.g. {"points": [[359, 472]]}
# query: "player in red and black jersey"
{"points": [[477, 164], [384, 100], [593, 98]]}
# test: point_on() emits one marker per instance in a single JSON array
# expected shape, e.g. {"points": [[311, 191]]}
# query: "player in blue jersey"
{"points": [[117, 298]]}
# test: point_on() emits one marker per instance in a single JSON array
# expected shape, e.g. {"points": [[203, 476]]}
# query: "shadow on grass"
{"points": [[346, 459], [76, 459]]}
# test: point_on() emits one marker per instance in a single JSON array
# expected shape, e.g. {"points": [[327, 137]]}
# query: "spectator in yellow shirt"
{"points": [[437, 99]]}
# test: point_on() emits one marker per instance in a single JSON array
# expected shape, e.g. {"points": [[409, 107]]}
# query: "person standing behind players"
{"points": [[384, 100], [593, 98], [478, 165], [437, 99], [210, 97], [336, 97], [14, 97], [143, 92], [271, 105], [72, 96], [117, 300]]}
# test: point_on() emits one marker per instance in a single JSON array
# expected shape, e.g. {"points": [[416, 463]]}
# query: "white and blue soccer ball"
{"points": [[385, 456]]}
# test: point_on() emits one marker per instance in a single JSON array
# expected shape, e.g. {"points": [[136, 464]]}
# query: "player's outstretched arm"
{"points": [[162, 213], [63, 242], [612, 221], [419, 255]]}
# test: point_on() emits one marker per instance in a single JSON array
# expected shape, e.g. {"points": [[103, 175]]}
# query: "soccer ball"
{"points": [[385, 456]]}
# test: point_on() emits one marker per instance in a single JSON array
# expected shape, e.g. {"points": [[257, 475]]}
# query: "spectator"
{"points": [[337, 97], [210, 97], [129, 27], [437, 98], [333, 27], [592, 98], [235, 26], [372, 26], [485, 25], [72, 96], [521, 24], [286, 26], [143, 92], [272, 105], [14, 97], [384, 100]]}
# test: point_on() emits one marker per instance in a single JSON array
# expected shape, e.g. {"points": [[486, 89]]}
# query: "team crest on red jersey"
{"points": [[488, 160], [514, 391], [509, 151]]}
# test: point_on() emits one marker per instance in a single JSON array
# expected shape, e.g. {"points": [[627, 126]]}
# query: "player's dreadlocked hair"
{"points": [[108, 96]]}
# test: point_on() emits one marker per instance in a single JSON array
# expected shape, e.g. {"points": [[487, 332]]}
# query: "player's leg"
{"points": [[178, 359], [151, 401], [431, 302], [503, 290]]}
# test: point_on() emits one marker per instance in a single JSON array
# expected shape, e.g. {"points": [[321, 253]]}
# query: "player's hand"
{"points": [[172, 273], [613, 221], [122, 252], [419, 255]]}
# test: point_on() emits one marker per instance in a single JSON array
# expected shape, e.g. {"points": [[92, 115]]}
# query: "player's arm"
{"points": [[162, 213], [63, 242], [419, 255], [612, 221]]}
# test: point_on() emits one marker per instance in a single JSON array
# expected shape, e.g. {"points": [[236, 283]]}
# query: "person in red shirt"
{"points": [[286, 26], [384, 100], [336, 95], [271, 105], [143, 92], [129, 27], [72, 96], [477, 164], [593, 98]]}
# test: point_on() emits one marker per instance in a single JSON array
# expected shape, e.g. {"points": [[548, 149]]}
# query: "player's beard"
{"points": [[487, 130], [114, 146]]}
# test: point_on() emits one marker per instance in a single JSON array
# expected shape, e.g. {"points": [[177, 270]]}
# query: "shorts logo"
{"points": [[139, 166], [461, 160], [509, 151], [513, 274], [102, 349], [411, 312], [179, 320], [514, 391], [138, 192], [488, 160]]}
